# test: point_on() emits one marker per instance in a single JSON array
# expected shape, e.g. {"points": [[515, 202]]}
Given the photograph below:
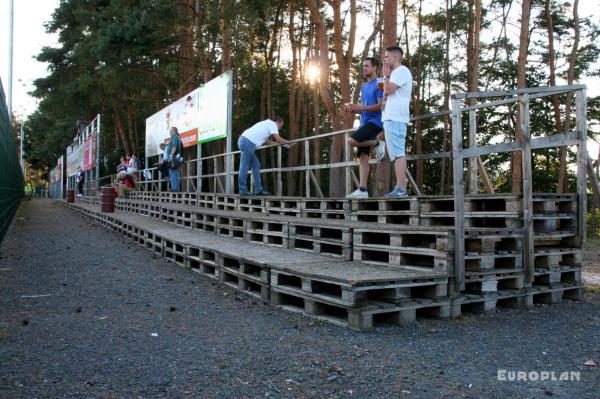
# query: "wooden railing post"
{"points": [[582, 159], [198, 167], [528, 245], [348, 169], [472, 162], [307, 171], [279, 181], [459, 197]]}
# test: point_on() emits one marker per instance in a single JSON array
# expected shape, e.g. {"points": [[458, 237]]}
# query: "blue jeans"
{"points": [[248, 160], [174, 179]]}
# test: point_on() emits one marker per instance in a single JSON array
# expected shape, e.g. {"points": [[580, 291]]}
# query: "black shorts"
{"points": [[368, 131]]}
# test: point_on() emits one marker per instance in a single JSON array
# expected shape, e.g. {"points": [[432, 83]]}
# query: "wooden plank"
{"points": [[459, 197], [486, 178], [472, 165], [490, 104], [556, 140], [307, 172], [413, 183], [582, 160], [430, 115], [316, 183], [355, 179], [593, 178], [279, 181], [527, 90], [348, 169], [199, 167], [528, 244]]}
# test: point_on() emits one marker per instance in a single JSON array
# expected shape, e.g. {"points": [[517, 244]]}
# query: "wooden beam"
{"points": [[279, 165], [486, 178], [307, 172], [459, 197], [556, 140], [472, 163], [593, 178], [413, 183], [528, 247], [348, 169], [582, 160], [355, 179], [316, 183]]}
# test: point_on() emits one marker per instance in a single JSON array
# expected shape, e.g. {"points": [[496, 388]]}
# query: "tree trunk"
{"points": [[517, 171], [390, 38], [446, 138], [187, 68], [324, 84], [552, 70], [563, 184], [473, 51], [417, 97], [293, 121], [120, 130], [130, 130]]}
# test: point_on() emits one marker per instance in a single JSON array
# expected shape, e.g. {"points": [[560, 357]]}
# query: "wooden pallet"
{"points": [[424, 248], [326, 209], [403, 211], [202, 261]]}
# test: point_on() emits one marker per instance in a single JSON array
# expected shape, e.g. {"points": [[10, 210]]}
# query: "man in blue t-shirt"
{"points": [[365, 137]]}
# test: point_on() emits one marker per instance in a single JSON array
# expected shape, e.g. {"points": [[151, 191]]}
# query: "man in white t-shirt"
{"points": [[397, 88], [263, 132]]}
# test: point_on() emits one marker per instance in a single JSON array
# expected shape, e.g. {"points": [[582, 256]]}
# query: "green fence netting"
{"points": [[11, 176]]}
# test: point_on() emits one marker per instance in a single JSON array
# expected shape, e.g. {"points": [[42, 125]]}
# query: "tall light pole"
{"points": [[10, 57]]}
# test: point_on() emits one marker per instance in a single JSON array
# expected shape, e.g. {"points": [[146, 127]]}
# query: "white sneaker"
{"points": [[380, 151], [358, 194]]}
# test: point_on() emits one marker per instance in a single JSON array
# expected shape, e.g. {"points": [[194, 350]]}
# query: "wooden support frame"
{"points": [[459, 196], [528, 244], [472, 162], [582, 160]]}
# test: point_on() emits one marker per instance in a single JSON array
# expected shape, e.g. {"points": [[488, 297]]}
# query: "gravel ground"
{"points": [[591, 263], [85, 313]]}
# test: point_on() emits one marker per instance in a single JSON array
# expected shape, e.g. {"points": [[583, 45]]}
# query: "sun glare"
{"points": [[313, 73]]}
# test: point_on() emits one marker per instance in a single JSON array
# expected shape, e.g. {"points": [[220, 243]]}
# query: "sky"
{"points": [[30, 36]]}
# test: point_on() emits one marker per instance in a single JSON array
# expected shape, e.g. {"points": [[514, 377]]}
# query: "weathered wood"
{"points": [[199, 167], [472, 163], [556, 140], [279, 181], [593, 178], [316, 183], [486, 178], [582, 160], [307, 172], [355, 180], [348, 178], [459, 195], [413, 183], [527, 90], [528, 238]]}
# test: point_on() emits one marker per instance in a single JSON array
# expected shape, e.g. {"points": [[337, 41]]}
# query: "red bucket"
{"points": [[70, 196], [107, 200]]}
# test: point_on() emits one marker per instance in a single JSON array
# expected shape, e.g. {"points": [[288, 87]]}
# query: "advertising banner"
{"points": [[56, 173], [74, 159], [199, 116], [89, 153]]}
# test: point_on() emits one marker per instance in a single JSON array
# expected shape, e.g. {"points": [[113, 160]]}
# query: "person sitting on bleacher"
{"points": [[125, 184]]}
